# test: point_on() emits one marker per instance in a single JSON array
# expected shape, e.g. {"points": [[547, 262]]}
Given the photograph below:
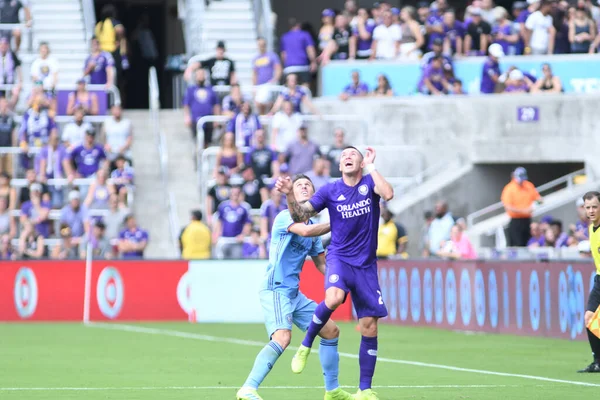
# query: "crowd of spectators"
{"points": [[69, 187]]}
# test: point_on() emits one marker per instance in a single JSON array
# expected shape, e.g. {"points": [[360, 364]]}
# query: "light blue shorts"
{"points": [[280, 311]]}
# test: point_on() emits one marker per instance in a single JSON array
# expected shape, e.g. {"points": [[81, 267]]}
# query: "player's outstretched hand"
{"points": [[284, 185], [370, 156]]}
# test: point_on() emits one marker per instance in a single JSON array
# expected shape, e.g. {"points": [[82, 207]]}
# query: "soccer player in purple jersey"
{"points": [[353, 204]]}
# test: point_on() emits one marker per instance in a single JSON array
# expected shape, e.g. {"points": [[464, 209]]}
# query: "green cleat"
{"points": [[338, 394], [366, 395], [247, 393], [299, 360]]}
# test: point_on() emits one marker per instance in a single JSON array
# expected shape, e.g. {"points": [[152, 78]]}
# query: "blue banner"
{"points": [[578, 73]]}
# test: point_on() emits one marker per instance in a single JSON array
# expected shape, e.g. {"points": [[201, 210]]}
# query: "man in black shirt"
{"points": [[217, 194], [9, 14], [335, 152], [339, 47], [477, 38], [261, 158], [7, 127], [222, 69], [255, 191]]}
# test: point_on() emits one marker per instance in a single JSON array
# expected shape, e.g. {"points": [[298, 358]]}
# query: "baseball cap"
{"points": [[221, 45], [90, 131], [584, 246], [520, 172], [438, 42], [423, 4], [395, 11], [519, 5], [546, 219], [515, 75], [328, 12], [74, 195], [303, 126], [35, 187], [496, 50], [376, 5], [532, 1], [475, 11]]}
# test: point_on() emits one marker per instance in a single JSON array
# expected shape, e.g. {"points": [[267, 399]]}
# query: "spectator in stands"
{"points": [[7, 134], [6, 250], [74, 132], [301, 153], [548, 83], [298, 53], [383, 88], [504, 32], [412, 38], [54, 162], [518, 198], [254, 248], [42, 100], [454, 32], [232, 102], [582, 31], [363, 31], [517, 82], [284, 127], [24, 193], [88, 157], [244, 125], [229, 155], [7, 192], [10, 71], [488, 12], [99, 192], [268, 212], [118, 132], [326, 30], [562, 238], [319, 174], [356, 88], [36, 127], [233, 224], [200, 101], [194, 240], [491, 69], [222, 69], [440, 227], [76, 216], [339, 47], [111, 36], [422, 13], [101, 248], [537, 236], [386, 39], [437, 50], [261, 158], [433, 79], [31, 244], [217, 194], [295, 94], [459, 246], [434, 26], [335, 152], [254, 190], [67, 249], [36, 211], [424, 236], [8, 227], [392, 237], [122, 178], [477, 38], [266, 72], [580, 228], [540, 31], [45, 68], [99, 66], [132, 240], [351, 11], [82, 98], [9, 14], [114, 219], [456, 88]]}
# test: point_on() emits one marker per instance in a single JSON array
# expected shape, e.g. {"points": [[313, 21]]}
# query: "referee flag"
{"points": [[594, 325]]}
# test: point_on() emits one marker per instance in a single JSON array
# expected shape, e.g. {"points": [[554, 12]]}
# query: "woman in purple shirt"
{"points": [[99, 66], [229, 156], [82, 98], [363, 31], [504, 34]]}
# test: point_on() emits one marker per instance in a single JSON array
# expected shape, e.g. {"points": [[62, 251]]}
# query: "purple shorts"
{"points": [[362, 283]]}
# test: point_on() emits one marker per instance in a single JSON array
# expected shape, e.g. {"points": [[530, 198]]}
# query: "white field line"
{"points": [[98, 389], [208, 338]]}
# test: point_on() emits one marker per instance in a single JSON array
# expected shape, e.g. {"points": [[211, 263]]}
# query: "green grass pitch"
{"points": [[176, 361]]}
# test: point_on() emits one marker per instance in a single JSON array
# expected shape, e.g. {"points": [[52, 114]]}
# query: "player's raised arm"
{"points": [[382, 187], [312, 230], [299, 212]]}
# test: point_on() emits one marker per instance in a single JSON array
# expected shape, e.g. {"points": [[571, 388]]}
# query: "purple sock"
{"points": [[367, 357], [320, 318]]}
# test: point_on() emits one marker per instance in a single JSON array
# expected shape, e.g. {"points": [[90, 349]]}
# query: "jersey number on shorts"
{"points": [[380, 297]]}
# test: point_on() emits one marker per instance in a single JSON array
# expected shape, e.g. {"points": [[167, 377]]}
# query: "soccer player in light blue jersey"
{"points": [[284, 304], [353, 204]]}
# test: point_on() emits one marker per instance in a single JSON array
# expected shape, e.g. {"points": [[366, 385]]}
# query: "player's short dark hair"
{"points": [[352, 147], [591, 195], [297, 177]]}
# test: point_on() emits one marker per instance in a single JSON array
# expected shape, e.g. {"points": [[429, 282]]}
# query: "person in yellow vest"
{"points": [[591, 203], [195, 239], [111, 36], [392, 238]]}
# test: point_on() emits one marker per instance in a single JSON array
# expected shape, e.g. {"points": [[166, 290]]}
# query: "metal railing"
{"points": [[170, 200], [565, 181], [263, 21], [24, 29], [434, 170], [89, 18]]}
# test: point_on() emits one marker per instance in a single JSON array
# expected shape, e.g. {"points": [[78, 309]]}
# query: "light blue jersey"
{"points": [[287, 253]]}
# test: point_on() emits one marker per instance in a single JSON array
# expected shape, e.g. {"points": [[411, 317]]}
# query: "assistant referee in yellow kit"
{"points": [[592, 209]]}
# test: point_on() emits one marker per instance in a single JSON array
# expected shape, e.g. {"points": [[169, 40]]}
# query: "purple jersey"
{"points": [[264, 67], [54, 161], [270, 210], [200, 100], [122, 177], [35, 128], [244, 128], [491, 68], [295, 98], [88, 159], [434, 19], [233, 218], [520, 88], [137, 236], [355, 90], [363, 47], [354, 215], [434, 75], [250, 250], [102, 62], [295, 44], [27, 209], [510, 49], [454, 32]]}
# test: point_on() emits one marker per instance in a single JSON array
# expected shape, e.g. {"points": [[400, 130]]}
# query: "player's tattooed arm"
{"points": [[310, 230], [300, 212]]}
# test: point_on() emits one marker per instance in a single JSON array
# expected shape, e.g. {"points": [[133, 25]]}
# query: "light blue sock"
{"points": [[330, 362], [263, 364]]}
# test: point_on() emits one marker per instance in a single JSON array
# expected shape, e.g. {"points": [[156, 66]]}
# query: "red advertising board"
{"points": [[312, 284], [539, 299]]}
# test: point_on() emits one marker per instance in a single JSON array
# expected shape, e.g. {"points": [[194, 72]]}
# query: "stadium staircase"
{"points": [[232, 21]]}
